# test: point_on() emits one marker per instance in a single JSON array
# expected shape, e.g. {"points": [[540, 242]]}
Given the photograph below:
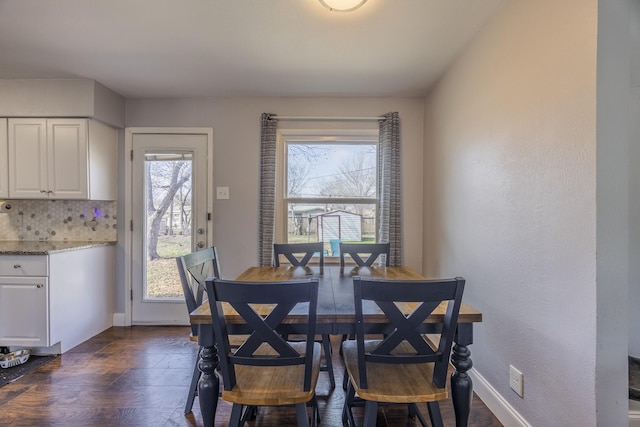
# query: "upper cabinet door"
{"points": [[28, 159], [61, 159], [4, 160], [68, 162]]}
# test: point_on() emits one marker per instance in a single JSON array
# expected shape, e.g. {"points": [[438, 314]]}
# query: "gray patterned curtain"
{"points": [[267, 208], [390, 215]]}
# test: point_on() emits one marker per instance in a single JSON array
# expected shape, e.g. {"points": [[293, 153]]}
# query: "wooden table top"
{"points": [[335, 296]]}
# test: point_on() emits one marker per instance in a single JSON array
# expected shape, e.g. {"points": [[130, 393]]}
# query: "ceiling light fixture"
{"points": [[342, 5]]}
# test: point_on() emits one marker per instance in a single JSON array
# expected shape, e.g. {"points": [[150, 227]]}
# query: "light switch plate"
{"points": [[222, 192]]}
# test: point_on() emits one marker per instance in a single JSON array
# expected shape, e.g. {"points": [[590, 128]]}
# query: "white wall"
{"points": [[236, 137], [613, 185], [61, 98], [634, 193], [634, 230], [510, 202]]}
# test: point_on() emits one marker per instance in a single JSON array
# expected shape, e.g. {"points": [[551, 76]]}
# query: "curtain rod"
{"points": [[327, 118]]}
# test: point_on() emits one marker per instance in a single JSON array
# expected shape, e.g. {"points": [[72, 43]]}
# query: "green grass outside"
{"points": [[163, 280]]}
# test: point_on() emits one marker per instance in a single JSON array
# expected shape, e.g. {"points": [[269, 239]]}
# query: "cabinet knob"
{"points": [[16, 266]]}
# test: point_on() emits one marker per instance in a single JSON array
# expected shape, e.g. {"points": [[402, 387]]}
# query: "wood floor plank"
{"points": [[139, 376]]}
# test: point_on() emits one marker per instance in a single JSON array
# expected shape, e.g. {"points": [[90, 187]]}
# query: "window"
{"points": [[327, 189]]}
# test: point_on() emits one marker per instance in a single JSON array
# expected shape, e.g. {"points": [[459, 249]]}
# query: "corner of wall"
{"points": [[108, 106], [119, 319]]}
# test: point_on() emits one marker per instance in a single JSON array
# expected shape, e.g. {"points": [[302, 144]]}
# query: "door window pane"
{"points": [[168, 203]]}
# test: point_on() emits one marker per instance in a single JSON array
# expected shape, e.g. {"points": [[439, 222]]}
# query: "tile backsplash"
{"points": [[60, 220]]}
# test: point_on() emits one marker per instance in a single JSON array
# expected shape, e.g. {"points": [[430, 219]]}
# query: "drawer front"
{"points": [[23, 265]]}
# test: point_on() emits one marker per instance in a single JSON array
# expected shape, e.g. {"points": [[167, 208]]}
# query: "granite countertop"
{"points": [[29, 247]]}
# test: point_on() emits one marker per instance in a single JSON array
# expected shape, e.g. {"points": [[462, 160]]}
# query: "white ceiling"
{"points": [[185, 48]]}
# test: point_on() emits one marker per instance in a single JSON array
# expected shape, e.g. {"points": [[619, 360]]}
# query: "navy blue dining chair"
{"points": [[407, 365], [193, 269], [266, 370]]}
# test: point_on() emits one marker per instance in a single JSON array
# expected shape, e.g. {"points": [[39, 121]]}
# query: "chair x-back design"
{"points": [[193, 269], [406, 366], [298, 254], [357, 250], [265, 369]]}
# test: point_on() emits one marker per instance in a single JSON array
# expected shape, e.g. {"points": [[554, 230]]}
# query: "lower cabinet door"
{"points": [[24, 311]]}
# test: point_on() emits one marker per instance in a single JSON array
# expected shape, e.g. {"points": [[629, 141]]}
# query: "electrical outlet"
{"points": [[222, 192], [516, 381]]}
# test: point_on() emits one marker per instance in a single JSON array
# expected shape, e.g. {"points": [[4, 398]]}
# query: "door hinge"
{"points": [[131, 155], [131, 225], [208, 216], [131, 294]]}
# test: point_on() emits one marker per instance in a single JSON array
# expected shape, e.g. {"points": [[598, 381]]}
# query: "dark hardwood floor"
{"points": [[139, 376]]}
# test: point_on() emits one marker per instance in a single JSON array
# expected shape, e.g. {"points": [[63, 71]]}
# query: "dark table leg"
{"points": [[209, 383], [461, 384]]}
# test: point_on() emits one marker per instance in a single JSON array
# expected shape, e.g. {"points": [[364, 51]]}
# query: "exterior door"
{"points": [[170, 218]]}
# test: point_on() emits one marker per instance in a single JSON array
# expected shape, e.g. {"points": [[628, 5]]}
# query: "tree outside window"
{"points": [[330, 190]]}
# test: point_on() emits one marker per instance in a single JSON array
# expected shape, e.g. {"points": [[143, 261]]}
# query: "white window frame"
{"points": [[312, 136]]}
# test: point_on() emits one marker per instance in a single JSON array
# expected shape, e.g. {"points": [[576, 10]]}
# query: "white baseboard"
{"points": [[161, 323], [119, 319], [495, 402], [509, 416], [634, 413], [40, 351]]}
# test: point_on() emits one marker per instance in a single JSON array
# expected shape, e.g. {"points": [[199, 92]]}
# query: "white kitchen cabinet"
{"points": [[62, 159], [24, 301], [4, 160], [54, 302], [23, 311]]}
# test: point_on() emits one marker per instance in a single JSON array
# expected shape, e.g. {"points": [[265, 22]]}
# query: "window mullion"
{"points": [[330, 200]]}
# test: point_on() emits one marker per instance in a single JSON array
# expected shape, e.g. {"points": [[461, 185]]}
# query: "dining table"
{"points": [[336, 315]]}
